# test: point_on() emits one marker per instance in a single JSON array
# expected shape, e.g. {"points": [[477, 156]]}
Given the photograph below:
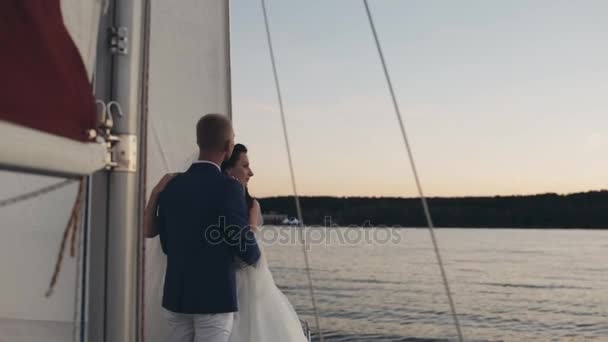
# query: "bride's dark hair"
{"points": [[230, 163]]}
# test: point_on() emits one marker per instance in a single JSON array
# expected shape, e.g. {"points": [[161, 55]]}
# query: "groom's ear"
{"points": [[228, 149]]}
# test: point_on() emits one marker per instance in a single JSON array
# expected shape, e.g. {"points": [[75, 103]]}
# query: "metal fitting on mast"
{"points": [[121, 148], [119, 40]]}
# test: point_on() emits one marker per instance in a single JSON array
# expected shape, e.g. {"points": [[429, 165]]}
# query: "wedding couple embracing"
{"points": [[217, 284]]}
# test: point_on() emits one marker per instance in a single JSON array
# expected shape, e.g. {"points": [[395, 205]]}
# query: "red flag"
{"points": [[43, 80]]}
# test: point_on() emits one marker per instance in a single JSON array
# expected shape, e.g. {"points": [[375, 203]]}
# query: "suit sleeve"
{"points": [[160, 222], [238, 234]]}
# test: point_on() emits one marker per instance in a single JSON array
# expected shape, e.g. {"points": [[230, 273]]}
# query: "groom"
{"points": [[203, 225]]}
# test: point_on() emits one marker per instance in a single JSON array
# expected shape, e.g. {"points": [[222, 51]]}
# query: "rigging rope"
{"points": [[161, 149], [71, 231], [410, 154], [291, 170], [79, 300], [35, 193]]}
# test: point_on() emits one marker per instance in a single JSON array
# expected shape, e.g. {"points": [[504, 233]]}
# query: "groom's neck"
{"points": [[215, 157]]}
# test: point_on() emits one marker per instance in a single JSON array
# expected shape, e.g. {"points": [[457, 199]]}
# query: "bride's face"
{"points": [[242, 170]]}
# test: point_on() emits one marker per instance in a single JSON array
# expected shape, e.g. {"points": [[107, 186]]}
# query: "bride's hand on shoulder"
{"points": [[150, 228], [163, 182]]}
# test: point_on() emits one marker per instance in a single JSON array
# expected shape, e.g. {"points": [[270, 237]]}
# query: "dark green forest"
{"points": [[578, 210]]}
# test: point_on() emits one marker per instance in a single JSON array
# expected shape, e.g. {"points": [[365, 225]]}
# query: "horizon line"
{"points": [[429, 197]]}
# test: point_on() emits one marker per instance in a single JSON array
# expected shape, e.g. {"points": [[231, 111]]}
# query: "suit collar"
{"points": [[205, 165], [207, 162]]}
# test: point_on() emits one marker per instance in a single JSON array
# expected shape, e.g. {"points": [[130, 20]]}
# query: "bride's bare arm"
{"points": [[150, 228], [255, 216]]}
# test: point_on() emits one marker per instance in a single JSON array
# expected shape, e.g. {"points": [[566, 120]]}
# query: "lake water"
{"points": [[508, 285]]}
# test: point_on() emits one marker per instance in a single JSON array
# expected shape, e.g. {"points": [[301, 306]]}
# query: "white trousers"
{"points": [[199, 328]]}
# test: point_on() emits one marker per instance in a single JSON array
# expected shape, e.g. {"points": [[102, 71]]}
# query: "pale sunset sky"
{"points": [[498, 97]]}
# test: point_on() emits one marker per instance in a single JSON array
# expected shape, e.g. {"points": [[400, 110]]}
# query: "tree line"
{"points": [[578, 210]]}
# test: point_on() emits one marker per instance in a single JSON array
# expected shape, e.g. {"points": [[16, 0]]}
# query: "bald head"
{"points": [[214, 133]]}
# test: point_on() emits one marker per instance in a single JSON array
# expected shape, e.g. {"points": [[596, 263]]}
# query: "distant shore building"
{"points": [[291, 221], [274, 218], [280, 219]]}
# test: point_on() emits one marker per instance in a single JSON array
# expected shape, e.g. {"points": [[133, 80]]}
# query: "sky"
{"points": [[498, 97]]}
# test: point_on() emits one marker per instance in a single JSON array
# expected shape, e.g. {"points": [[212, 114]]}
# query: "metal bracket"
{"points": [[121, 148], [119, 40], [124, 153]]}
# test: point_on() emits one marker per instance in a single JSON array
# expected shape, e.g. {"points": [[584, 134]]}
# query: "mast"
{"points": [[113, 313], [123, 206]]}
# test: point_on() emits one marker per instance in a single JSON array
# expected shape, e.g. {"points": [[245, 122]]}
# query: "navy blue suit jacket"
{"points": [[203, 225]]}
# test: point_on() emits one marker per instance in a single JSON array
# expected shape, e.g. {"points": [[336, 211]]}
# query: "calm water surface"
{"points": [[508, 285]]}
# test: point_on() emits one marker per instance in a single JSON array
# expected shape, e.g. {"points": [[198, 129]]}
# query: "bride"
{"points": [[265, 314]]}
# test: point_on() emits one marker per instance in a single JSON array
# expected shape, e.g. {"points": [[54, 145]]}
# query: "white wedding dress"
{"points": [[265, 314]]}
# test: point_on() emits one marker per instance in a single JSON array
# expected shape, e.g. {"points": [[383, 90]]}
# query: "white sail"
{"points": [[81, 18], [189, 76]]}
